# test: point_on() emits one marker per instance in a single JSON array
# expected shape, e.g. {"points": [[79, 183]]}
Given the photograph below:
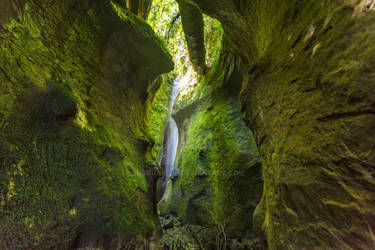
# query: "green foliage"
{"points": [[165, 20]]}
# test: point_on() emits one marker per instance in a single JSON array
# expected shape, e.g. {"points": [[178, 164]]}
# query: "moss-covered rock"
{"points": [[193, 26], [218, 183], [74, 91], [308, 95]]}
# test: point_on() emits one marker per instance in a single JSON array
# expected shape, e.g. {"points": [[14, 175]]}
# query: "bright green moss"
{"points": [[217, 155], [313, 61]]}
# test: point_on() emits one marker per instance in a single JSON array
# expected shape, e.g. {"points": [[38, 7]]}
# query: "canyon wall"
{"points": [[308, 95], [76, 82], [217, 179]]}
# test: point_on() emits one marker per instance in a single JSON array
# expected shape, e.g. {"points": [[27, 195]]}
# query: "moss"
{"points": [[217, 156], [304, 149], [74, 128], [221, 149], [307, 95]]}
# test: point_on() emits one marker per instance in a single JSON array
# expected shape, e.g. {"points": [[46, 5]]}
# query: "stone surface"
{"points": [[75, 138], [75, 86], [219, 181], [308, 95], [193, 26]]}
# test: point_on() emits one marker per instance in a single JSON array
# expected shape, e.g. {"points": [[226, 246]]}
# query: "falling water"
{"points": [[170, 141]]}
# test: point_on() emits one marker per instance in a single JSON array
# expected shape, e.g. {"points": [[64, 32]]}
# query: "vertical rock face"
{"points": [[309, 98], [218, 182], [193, 25], [74, 81]]}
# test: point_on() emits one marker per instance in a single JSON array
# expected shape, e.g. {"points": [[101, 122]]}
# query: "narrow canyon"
{"points": [[187, 124]]}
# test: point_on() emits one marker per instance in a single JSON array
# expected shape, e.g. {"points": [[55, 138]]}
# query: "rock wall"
{"points": [[308, 95], [193, 26], [75, 86], [218, 183]]}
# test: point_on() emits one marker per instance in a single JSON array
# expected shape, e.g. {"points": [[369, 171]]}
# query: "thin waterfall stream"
{"points": [[170, 141]]}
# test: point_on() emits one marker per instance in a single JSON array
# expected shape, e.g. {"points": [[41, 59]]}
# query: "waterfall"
{"points": [[170, 141], [175, 90]]}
